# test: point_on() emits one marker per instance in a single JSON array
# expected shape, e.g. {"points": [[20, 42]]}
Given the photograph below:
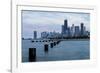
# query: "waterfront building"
{"points": [[63, 31], [82, 29], [44, 34], [88, 33], [72, 31], [68, 31], [65, 24], [35, 34], [77, 31]]}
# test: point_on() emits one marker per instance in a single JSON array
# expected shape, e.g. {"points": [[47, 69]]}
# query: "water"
{"points": [[65, 50]]}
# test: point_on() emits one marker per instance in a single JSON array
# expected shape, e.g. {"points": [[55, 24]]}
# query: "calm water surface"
{"points": [[65, 50]]}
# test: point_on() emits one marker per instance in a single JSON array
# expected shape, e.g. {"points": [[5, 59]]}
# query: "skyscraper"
{"points": [[35, 35], [82, 29], [69, 31], [72, 30], [77, 31], [65, 25], [44, 34], [63, 31]]}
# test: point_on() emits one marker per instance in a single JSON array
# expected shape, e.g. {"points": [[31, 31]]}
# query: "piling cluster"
{"points": [[47, 46]]}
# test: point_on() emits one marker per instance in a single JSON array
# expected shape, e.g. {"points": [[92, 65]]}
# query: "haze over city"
{"points": [[41, 21]]}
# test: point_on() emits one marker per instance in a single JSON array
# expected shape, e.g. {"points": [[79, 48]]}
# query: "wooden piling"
{"points": [[51, 45], [32, 41], [46, 47], [54, 43], [32, 54]]}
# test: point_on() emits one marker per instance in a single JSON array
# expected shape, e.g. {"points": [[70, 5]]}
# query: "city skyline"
{"points": [[67, 32], [41, 21]]}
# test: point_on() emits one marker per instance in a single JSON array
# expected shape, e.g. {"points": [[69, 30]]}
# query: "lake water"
{"points": [[65, 50]]}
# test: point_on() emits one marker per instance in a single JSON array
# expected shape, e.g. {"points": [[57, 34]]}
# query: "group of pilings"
{"points": [[52, 44], [42, 40], [32, 51]]}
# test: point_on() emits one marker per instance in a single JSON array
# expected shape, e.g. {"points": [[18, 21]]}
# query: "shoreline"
{"points": [[75, 39], [52, 40]]}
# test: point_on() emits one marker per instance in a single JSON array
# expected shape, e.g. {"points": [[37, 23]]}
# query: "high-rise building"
{"points": [[65, 25], [77, 31], [69, 31], [72, 30], [44, 35], [82, 29], [87, 33], [63, 31], [35, 35]]}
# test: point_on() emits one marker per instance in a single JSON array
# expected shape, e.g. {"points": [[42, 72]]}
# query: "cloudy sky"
{"points": [[50, 21]]}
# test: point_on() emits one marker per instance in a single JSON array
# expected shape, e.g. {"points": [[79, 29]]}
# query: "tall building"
{"points": [[44, 35], [77, 31], [63, 31], [35, 35], [72, 30], [82, 29], [87, 33], [50, 35], [65, 25], [69, 31]]}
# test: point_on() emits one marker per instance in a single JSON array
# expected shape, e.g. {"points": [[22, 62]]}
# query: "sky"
{"points": [[41, 21]]}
